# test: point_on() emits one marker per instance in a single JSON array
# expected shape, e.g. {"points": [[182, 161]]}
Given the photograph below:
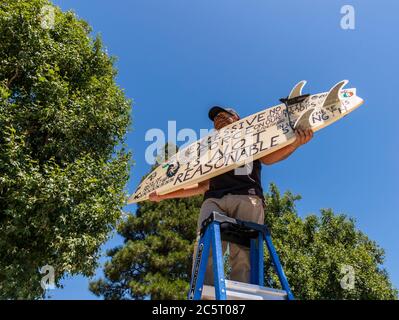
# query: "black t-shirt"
{"points": [[248, 182]]}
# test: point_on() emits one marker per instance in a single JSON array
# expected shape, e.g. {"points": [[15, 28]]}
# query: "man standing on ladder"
{"points": [[236, 195]]}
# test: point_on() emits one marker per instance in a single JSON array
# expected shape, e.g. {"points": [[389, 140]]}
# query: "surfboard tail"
{"points": [[332, 100]]}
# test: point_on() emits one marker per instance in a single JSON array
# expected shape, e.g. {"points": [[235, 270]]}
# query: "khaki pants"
{"points": [[243, 207]]}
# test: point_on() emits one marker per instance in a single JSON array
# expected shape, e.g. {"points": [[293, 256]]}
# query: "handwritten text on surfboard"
{"points": [[237, 144]]}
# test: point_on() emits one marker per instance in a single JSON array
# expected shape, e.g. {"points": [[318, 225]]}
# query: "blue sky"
{"points": [[176, 58]]}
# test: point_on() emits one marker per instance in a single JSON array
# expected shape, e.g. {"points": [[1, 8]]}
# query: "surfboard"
{"points": [[238, 144]]}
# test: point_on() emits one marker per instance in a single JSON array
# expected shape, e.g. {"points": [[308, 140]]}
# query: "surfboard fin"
{"points": [[303, 122], [333, 95], [297, 89], [295, 95]]}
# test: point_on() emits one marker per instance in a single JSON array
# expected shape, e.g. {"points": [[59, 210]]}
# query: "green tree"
{"points": [[62, 170], [156, 257], [156, 260], [318, 252]]}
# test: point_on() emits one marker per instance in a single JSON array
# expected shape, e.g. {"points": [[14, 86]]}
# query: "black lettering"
{"points": [[249, 122], [273, 141], [199, 169], [254, 149], [261, 147], [248, 129], [225, 140], [214, 145], [219, 166], [257, 135], [242, 153], [232, 156], [242, 141], [178, 178], [325, 116], [186, 175], [218, 152], [208, 166], [316, 118]]}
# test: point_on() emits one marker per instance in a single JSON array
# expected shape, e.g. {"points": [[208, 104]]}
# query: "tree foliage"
{"points": [[155, 260], [320, 251], [62, 118], [156, 257]]}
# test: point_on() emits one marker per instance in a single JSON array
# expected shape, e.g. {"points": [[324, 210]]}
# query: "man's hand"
{"points": [[155, 197], [302, 137], [190, 191]]}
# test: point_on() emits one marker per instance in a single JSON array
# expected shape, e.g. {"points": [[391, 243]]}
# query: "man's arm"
{"points": [[182, 193], [302, 137]]}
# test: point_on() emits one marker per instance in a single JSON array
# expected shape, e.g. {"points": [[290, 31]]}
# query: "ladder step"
{"points": [[244, 291]]}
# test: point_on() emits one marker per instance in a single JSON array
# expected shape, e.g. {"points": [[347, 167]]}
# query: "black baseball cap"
{"points": [[215, 110]]}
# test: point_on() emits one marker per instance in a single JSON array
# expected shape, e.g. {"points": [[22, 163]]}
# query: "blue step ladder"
{"points": [[218, 227]]}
